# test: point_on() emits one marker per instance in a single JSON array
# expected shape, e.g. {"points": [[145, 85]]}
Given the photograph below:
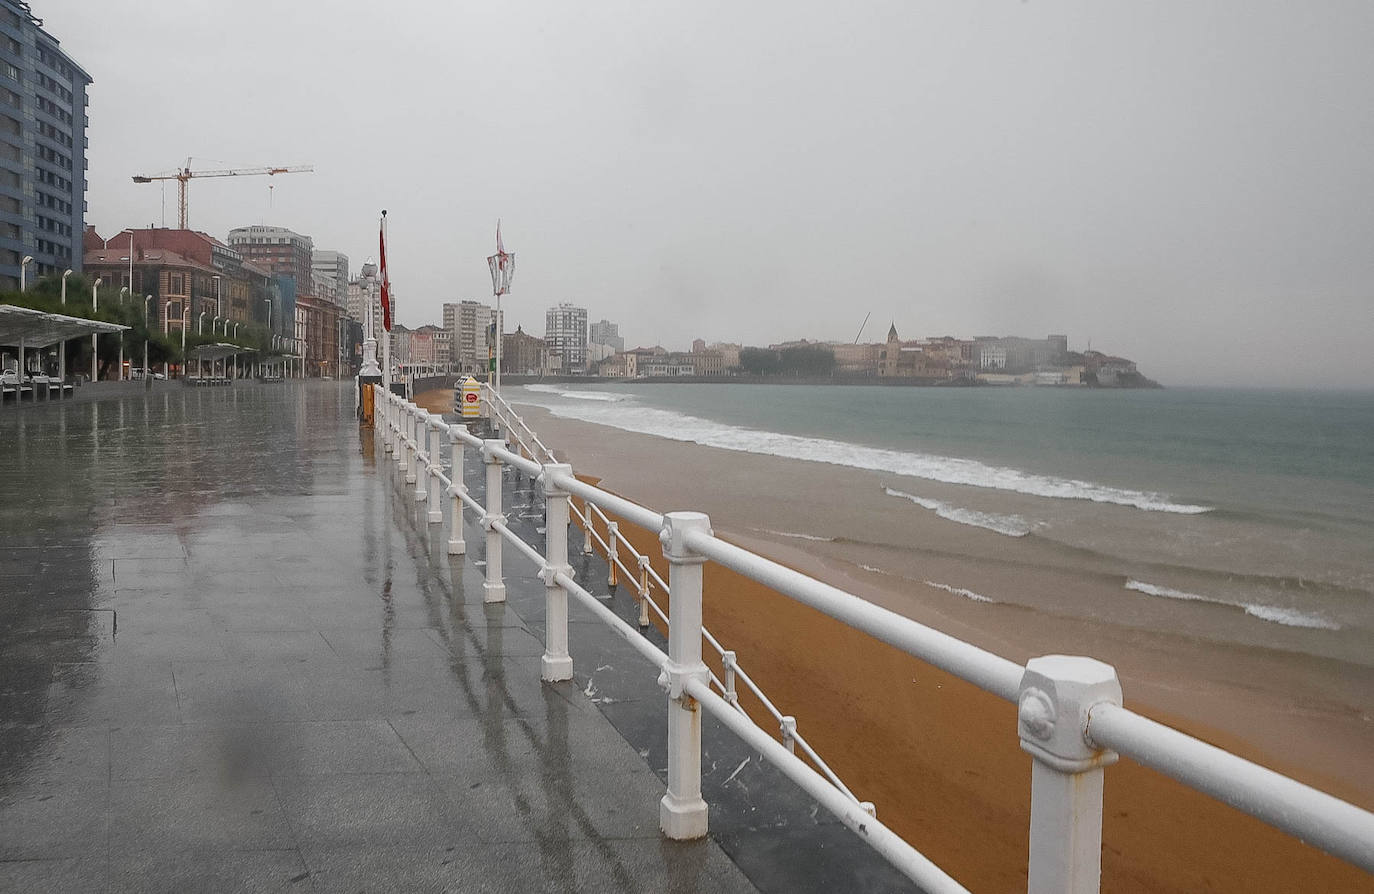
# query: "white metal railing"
{"points": [[646, 578], [1069, 713]]}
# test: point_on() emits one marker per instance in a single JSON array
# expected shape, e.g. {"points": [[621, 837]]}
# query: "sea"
{"points": [[1257, 503]]}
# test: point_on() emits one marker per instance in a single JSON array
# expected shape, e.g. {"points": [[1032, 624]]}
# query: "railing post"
{"points": [[388, 418], [493, 588], [643, 591], [436, 513], [556, 664], [1057, 691], [612, 552], [402, 445], [682, 812], [456, 545], [787, 730], [423, 461], [728, 663], [587, 516]]}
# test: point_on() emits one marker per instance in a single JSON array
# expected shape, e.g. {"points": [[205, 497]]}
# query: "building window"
{"points": [[11, 72], [176, 283]]}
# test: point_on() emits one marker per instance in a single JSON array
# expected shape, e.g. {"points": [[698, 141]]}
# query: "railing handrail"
{"points": [[633, 512], [1336, 826]]}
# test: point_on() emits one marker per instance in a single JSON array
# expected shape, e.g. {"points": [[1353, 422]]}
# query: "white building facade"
{"points": [[565, 333]]}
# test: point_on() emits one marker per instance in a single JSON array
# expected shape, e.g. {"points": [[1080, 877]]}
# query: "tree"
{"points": [[760, 361]]}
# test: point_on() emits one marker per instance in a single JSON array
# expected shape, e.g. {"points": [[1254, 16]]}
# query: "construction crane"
{"points": [[186, 174]]}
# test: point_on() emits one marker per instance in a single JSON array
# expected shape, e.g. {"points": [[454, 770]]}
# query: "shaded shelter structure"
{"points": [[29, 330], [220, 352]]}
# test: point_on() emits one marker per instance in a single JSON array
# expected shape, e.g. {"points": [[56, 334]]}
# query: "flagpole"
{"points": [[386, 332]]}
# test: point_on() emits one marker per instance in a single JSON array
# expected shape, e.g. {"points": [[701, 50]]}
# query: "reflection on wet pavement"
{"points": [[233, 657]]}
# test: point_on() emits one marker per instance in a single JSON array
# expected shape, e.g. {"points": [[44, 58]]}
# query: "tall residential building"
{"points": [[330, 269], [280, 250], [604, 332], [565, 334], [469, 323], [42, 149]]}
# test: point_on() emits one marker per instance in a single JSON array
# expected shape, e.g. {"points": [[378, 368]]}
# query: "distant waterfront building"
{"points": [[604, 332], [188, 273], [330, 269], [469, 324], [856, 359], [565, 332], [523, 354], [280, 250], [42, 149], [290, 255]]}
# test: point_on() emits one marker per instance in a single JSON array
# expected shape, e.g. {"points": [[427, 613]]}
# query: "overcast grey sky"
{"points": [[1188, 184]]}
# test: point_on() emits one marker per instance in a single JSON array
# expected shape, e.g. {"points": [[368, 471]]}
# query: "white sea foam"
{"points": [[960, 591], [1168, 592], [601, 396], [606, 408], [1289, 617], [795, 536], [1010, 525], [873, 568]]}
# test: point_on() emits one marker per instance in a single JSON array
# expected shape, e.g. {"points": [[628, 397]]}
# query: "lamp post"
{"points": [[166, 319], [95, 343], [147, 378], [23, 269], [62, 345], [119, 373], [502, 266]]}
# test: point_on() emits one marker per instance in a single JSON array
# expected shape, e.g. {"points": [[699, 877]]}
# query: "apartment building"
{"points": [[43, 141]]}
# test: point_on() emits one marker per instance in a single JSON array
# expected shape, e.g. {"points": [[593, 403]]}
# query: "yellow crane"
{"points": [[186, 174]]}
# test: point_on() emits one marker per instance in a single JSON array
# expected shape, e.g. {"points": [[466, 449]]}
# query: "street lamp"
{"points": [[62, 345], [23, 265], [147, 379], [502, 266], [95, 343], [200, 323], [119, 374], [236, 329]]}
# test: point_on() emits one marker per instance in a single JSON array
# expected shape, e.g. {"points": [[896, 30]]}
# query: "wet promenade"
{"points": [[233, 657]]}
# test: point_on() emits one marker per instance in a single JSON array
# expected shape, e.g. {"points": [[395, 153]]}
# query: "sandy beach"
{"points": [[940, 758]]}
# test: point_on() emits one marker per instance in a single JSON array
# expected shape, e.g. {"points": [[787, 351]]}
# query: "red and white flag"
{"points": [[386, 281]]}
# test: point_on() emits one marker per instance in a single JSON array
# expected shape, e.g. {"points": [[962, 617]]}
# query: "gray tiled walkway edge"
{"points": [[232, 659]]}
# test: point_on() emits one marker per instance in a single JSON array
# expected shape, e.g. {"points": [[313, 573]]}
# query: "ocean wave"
{"points": [[873, 568], [960, 591], [1010, 525], [603, 410], [600, 396], [1289, 617], [794, 535]]}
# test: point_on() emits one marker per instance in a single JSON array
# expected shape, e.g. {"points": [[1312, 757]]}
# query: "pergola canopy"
{"points": [[39, 329], [217, 351]]}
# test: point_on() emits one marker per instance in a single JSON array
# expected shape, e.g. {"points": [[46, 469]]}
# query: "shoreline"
{"points": [[1287, 711]]}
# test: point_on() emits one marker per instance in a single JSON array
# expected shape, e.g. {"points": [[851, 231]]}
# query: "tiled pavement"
{"points": [[234, 658]]}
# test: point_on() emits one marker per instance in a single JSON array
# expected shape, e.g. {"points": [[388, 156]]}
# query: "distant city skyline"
{"points": [[1184, 183]]}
